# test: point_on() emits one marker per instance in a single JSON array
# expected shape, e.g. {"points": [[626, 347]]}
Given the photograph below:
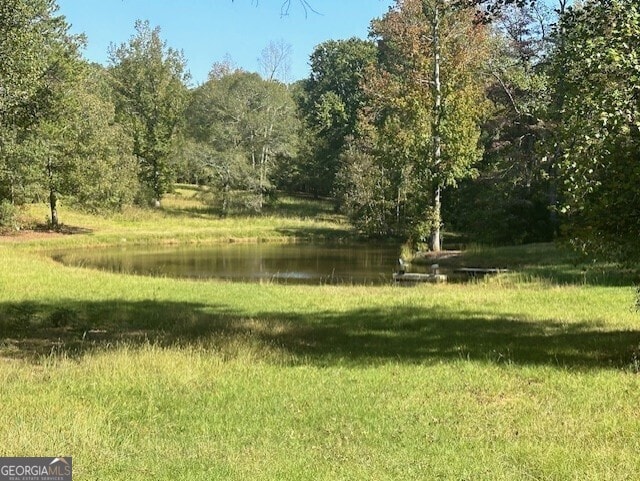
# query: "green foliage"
{"points": [[193, 162], [104, 169], [397, 126], [38, 62], [80, 151], [362, 188], [372, 123], [29, 32], [511, 198], [329, 101], [8, 215], [244, 127], [37, 119], [149, 81], [57, 131], [599, 65]]}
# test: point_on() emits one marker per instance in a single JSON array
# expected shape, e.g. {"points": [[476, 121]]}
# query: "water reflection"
{"points": [[290, 263]]}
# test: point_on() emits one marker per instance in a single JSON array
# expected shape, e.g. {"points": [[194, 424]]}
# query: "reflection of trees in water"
{"points": [[293, 263]]}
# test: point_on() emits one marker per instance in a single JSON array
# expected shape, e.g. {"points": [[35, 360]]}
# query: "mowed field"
{"points": [[530, 375]]}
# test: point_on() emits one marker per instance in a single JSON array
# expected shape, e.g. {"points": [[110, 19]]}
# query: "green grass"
{"points": [[184, 218], [540, 263], [525, 377]]}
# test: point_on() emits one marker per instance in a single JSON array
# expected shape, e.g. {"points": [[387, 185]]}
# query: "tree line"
{"points": [[513, 124]]}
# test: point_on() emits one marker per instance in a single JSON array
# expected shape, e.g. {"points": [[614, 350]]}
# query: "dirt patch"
{"points": [[40, 233], [29, 235]]}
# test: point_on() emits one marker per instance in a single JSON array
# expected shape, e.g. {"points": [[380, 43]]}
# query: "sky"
{"points": [[208, 30]]}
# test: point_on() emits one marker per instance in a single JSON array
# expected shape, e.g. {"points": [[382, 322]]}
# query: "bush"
{"points": [[8, 216]]}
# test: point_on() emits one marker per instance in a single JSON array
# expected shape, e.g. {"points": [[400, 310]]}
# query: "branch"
{"points": [[507, 91], [286, 6]]}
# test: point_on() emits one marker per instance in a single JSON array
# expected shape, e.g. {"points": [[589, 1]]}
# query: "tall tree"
{"points": [[41, 67], [512, 199], [275, 61], [599, 131], [426, 98], [104, 170], [246, 124], [149, 79], [330, 100], [33, 46], [80, 151]]}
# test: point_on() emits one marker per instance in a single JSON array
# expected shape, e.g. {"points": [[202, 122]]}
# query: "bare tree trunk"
{"points": [[53, 204], [263, 164], [53, 197], [225, 178], [434, 241], [435, 238], [156, 185]]}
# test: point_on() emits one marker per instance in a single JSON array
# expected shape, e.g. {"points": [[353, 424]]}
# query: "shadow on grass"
{"points": [[301, 207], [319, 233], [61, 229], [360, 336], [284, 206], [195, 212]]}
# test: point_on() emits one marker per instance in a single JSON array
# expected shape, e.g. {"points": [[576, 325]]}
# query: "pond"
{"points": [[308, 263]]}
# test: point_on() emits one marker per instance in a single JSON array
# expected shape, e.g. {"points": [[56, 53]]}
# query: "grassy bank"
{"points": [[520, 377], [184, 218]]}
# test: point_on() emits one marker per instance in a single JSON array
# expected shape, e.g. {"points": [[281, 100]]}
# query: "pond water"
{"points": [[261, 262]]}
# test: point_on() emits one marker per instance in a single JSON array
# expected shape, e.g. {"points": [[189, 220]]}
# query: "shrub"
{"points": [[8, 216]]}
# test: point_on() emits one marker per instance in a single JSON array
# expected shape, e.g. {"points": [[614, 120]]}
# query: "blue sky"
{"points": [[207, 30]]}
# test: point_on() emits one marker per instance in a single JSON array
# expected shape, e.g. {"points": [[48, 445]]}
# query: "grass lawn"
{"points": [[530, 375]]}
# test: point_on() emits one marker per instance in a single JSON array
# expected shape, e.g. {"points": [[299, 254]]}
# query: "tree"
{"points": [[104, 174], [512, 198], [226, 66], [600, 126], [58, 133], [364, 188], [32, 40], [40, 69], [246, 124], [425, 101], [275, 61], [150, 84], [330, 100], [80, 151]]}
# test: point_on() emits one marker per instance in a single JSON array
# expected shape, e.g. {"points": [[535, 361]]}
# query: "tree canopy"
{"points": [[498, 118], [421, 122], [245, 124], [600, 126], [149, 80], [330, 102]]}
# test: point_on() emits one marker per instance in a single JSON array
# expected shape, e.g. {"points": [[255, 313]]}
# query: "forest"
{"points": [[520, 125]]}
